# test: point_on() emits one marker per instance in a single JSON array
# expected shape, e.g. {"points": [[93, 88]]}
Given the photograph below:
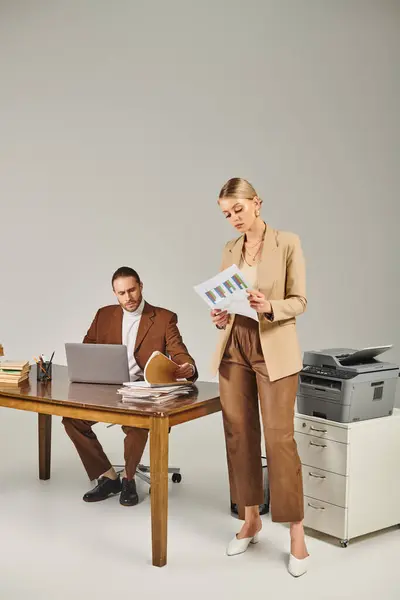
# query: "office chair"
{"points": [[143, 471]]}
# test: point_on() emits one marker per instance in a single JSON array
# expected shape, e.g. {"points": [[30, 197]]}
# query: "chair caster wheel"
{"points": [[176, 477], [344, 543]]}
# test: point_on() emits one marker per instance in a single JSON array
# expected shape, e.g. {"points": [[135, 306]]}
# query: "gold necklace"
{"points": [[254, 245], [258, 241], [252, 256]]}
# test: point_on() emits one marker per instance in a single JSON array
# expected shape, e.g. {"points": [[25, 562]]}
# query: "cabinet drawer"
{"points": [[325, 454], [324, 485], [321, 430], [325, 517]]}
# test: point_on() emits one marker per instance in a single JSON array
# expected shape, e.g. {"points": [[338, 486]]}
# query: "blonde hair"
{"points": [[238, 188]]}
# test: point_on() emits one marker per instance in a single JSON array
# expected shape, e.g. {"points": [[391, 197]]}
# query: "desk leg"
{"points": [[159, 488], [44, 430]]}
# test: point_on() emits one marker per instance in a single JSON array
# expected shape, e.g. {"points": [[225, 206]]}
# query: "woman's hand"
{"points": [[220, 318], [259, 302]]}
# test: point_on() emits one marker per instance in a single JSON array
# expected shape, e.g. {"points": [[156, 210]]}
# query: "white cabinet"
{"points": [[351, 474]]}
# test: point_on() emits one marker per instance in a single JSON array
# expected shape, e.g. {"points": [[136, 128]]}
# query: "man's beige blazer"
{"points": [[281, 277]]}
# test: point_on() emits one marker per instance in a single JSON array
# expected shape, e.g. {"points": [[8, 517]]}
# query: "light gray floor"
{"points": [[54, 546]]}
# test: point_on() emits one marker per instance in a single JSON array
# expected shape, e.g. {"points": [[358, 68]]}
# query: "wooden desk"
{"points": [[101, 403]]}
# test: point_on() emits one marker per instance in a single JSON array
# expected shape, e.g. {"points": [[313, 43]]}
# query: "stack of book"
{"points": [[13, 372]]}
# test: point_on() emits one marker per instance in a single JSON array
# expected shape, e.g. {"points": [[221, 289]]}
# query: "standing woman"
{"points": [[262, 360]]}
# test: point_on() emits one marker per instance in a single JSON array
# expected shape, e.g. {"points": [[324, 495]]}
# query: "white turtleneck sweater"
{"points": [[130, 327]]}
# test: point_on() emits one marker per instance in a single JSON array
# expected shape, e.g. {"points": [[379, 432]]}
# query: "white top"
{"points": [[130, 328], [249, 272]]}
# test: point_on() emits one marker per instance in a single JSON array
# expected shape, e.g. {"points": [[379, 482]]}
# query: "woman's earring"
{"points": [[257, 213]]}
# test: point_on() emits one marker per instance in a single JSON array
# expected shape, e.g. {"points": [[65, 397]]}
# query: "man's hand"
{"points": [[258, 302], [185, 371]]}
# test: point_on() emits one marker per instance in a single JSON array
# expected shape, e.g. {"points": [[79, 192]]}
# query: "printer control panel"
{"points": [[328, 372]]}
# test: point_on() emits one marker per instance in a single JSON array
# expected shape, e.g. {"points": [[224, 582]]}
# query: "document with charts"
{"points": [[227, 291]]}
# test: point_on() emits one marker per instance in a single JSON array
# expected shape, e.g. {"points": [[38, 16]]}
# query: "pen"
{"points": [[40, 365], [49, 365]]}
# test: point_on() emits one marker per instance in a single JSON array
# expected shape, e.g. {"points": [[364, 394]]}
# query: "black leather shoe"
{"points": [[128, 495], [105, 488]]}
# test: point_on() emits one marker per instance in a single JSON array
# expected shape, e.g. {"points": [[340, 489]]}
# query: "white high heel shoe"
{"points": [[298, 566], [236, 546]]}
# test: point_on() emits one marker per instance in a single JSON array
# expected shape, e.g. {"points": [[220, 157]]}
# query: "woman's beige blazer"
{"points": [[281, 277]]}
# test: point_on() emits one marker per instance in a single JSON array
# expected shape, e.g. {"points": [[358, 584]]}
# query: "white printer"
{"points": [[347, 385]]}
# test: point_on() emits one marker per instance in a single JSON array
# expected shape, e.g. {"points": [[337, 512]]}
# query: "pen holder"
{"points": [[43, 375]]}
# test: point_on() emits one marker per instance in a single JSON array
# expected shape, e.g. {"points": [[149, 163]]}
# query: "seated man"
{"points": [[143, 329]]}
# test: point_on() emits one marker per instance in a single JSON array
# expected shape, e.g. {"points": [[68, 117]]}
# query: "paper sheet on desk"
{"points": [[227, 291]]}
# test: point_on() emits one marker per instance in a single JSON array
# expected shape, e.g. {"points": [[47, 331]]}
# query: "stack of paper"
{"points": [[160, 383], [13, 372], [140, 391]]}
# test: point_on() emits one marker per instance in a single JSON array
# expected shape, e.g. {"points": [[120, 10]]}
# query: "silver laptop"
{"points": [[97, 363]]}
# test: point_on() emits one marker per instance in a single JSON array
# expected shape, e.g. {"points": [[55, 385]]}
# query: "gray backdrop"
{"points": [[121, 120]]}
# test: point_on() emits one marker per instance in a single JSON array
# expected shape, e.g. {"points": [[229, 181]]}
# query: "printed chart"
{"points": [[227, 291]]}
